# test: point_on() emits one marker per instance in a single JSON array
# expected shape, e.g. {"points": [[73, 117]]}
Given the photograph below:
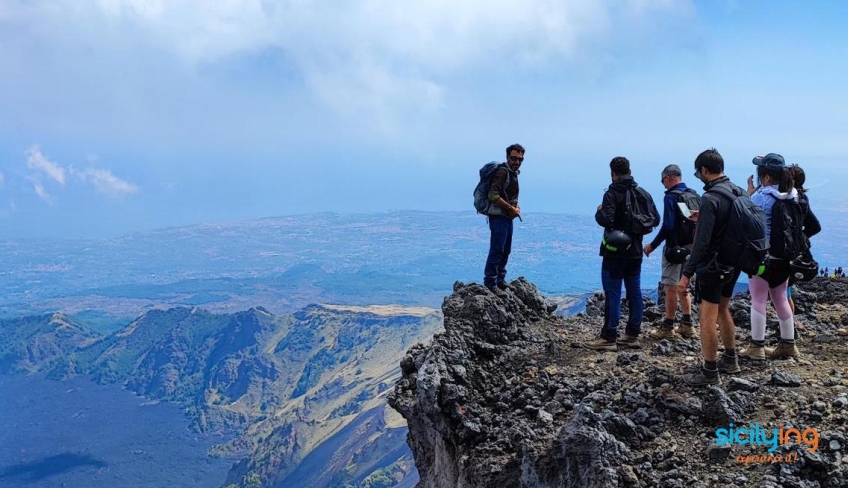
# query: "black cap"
{"points": [[770, 161]]}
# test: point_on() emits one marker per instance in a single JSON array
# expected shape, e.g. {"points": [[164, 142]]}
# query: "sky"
{"points": [[120, 116]]}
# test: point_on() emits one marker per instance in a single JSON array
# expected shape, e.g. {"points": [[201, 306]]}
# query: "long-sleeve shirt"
{"points": [[712, 223], [765, 197], [669, 219], [497, 189], [611, 215], [811, 222]]}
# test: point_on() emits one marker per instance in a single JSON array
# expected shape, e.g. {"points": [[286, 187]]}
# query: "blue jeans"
{"points": [[613, 272], [500, 245]]}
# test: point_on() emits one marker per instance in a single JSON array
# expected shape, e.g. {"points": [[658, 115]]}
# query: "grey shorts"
{"points": [[671, 273]]}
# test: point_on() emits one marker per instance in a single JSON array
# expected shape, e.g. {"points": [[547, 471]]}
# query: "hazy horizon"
{"points": [[126, 115]]}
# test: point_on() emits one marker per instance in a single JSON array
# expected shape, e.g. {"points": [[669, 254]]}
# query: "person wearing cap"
{"points": [[775, 183]]}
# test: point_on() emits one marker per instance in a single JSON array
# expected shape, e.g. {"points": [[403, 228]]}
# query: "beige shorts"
{"points": [[671, 273]]}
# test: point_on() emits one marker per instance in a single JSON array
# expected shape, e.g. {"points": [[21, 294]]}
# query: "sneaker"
{"points": [[497, 291], [699, 378], [601, 344], [686, 330], [728, 364], [629, 341], [753, 352], [783, 350], [663, 333]]}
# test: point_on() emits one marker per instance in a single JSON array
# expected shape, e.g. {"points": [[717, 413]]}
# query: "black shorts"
{"points": [[777, 272], [713, 292]]}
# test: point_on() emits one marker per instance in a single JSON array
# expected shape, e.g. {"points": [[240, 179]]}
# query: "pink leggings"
{"points": [[760, 292]]}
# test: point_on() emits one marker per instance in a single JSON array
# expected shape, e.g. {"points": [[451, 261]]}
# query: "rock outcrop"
{"points": [[507, 396]]}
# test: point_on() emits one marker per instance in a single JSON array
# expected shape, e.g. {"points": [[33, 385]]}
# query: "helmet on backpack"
{"points": [[616, 240], [676, 254], [803, 269]]}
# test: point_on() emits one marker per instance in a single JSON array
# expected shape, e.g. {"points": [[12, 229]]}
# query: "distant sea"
{"points": [[77, 434]]}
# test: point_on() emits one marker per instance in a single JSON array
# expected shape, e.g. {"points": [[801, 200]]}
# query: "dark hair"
{"points": [[782, 176], [514, 147], [711, 160], [798, 177], [620, 166]]}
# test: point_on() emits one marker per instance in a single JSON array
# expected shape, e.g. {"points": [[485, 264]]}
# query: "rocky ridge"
{"points": [[507, 396]]}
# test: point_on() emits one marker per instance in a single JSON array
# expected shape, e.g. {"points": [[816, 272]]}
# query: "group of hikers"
{"points": [[709, 240], [837, 273]]}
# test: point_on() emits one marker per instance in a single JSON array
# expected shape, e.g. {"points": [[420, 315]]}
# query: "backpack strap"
{"points": [[726, 193]]}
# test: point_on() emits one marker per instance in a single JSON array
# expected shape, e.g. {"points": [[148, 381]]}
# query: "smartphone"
{"points": [[684, 209]]}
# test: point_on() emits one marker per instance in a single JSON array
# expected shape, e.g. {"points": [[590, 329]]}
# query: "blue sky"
{"points": [[125, 115]]}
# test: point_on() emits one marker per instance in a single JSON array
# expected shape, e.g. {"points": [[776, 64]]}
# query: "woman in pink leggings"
{"points": [[775, 184]]}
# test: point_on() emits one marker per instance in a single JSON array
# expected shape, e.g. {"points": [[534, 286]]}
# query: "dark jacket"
{"points": [[712, 223], [811, 222], [497, 190], [669, 219], [612, 215]]}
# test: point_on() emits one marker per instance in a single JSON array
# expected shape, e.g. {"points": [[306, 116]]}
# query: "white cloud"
{"points": [[106, 183], [39, 162], [364, 58], [103, 180], [41, 191]]}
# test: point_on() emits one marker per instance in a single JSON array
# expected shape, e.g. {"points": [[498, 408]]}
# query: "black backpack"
{"points": [[787, 222], [481, 191], [744, 245], [641, 213], [684, 229]]}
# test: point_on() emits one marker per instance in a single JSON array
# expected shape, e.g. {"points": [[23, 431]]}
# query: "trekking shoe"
{"points": [[699, 378], [783, 350], [663, 333], [497, 291], [686, 330], [629, 341], [503, 286], [601, 344], [728, 365], [753, 352]]}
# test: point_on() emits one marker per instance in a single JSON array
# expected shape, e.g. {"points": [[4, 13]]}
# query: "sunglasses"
{"points": [[516, 159]]}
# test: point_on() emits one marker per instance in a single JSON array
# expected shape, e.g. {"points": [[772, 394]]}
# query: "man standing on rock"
{"points": [[503, 195], [715, 293], [677, 232], [624, 204]]}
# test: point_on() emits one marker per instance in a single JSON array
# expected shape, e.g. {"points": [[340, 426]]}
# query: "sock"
{"points": [[787, 329], [758, 326], [709, 368], [731, 353], [687, 319], [668, 323]]}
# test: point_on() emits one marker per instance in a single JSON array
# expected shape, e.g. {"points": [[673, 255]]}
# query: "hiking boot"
{"points": [[728, 364], [497, 291], [699, 378], [629, 341], [753, 352], [783, 350], [503, 286], [601, 344], [686, 330], [663, 333]]}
